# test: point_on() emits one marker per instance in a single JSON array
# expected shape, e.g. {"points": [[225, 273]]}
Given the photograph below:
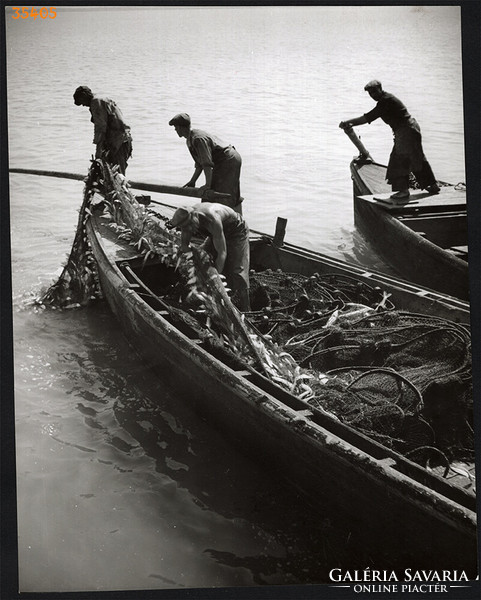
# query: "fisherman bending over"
{"points": [[407, 154], [220, 162], [111, 133], [227, 239]]}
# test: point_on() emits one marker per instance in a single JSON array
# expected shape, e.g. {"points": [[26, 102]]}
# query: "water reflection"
{"points": [[294, 541]]}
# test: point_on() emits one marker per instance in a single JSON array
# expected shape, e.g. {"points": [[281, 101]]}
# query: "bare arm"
{"points": [[194, 178], [185, 237], [217, 231], [208, 176], [204, 161]]}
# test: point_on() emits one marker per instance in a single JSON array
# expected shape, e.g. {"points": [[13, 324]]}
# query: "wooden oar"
{"points": [[349, 131], [137, 185]]}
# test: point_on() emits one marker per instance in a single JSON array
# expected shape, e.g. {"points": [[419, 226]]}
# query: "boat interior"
{"points": [[157, 285]]}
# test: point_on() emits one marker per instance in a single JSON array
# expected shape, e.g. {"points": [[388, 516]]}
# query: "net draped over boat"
{"points": [[78, 283], [340, 345]]}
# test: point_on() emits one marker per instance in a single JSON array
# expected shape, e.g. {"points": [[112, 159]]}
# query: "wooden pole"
{"points": [[349, 131], [137, 185]]}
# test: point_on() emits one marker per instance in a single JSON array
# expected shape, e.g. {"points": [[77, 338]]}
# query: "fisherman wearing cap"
{"points": [[111, 133], [220, 162], [227, 239], [407, 154]]}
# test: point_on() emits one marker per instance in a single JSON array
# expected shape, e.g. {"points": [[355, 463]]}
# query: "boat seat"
{"points": [[459, 250], [305, 412], [244, 373], [421, 201], [387, 462]]}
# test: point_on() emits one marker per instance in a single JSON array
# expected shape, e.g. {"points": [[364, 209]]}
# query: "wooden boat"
{"points": [[412, 517], [424, 239]]}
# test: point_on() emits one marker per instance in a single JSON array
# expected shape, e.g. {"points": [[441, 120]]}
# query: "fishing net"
{"points": [[414, 185], [337, 343], [403, 379], [78, 283]]}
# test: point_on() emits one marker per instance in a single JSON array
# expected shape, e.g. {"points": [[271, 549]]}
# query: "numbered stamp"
{"points": [[27, 12]]}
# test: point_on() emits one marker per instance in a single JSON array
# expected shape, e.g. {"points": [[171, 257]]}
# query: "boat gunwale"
{"points": [[378, 470], [379, 278]]}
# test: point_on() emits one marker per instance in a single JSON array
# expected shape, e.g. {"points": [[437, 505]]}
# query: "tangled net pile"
{"points": [[402, 379]]}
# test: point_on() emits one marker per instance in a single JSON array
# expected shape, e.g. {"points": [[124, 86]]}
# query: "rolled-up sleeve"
{"points": [[202, 152]]}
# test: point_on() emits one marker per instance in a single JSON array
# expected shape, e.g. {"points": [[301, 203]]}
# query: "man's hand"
{"points": [[206, 193], [345, 125]]}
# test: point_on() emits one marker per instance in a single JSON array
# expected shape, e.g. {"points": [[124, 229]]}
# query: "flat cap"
{"points": [[181, 217], [180, 119], [374, 83]]}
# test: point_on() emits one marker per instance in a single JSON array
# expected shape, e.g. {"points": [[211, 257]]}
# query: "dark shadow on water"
{"points": [[310, 537]]}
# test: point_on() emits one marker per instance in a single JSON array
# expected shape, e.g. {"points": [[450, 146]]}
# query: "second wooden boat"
{"points": [[424, 238]]}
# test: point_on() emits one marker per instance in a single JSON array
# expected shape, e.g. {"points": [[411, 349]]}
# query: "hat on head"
{"points": [[180, 119], [181, 217], [82, 90], [374, 83]]}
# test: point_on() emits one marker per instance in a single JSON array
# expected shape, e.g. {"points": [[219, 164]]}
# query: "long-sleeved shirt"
{"points": [[391, 110]]}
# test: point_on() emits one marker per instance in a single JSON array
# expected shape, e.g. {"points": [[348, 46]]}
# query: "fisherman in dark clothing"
{"points": [[407, 154], [220, 162], [227, 239], [111, 133]]}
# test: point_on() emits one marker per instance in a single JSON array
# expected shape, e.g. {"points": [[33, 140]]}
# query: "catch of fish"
{"points": [[341, 346]]}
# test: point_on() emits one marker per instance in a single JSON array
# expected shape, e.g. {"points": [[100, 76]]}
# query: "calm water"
{"points": [[119, 485]]}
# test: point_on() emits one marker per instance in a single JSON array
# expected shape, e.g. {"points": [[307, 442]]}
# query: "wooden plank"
{"points": [[374, 177], [421, 201], [461, 251]]}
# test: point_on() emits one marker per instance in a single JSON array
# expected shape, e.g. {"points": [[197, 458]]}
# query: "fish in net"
{"points": [[339, 344], [78, 283], [403, 379]]}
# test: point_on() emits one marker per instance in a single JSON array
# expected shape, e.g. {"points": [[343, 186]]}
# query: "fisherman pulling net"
{"points": [[340, 345]]}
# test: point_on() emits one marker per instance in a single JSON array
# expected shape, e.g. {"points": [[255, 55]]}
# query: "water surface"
{"points": [[120, 486]]}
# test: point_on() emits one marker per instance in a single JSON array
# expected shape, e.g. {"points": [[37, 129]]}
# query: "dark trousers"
{"points": [[226, 178], [121, 154], [424, 176], [407, 157]]}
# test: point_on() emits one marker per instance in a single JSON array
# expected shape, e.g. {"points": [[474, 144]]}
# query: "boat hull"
{"points": [[420, 247], [413, 526]]}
